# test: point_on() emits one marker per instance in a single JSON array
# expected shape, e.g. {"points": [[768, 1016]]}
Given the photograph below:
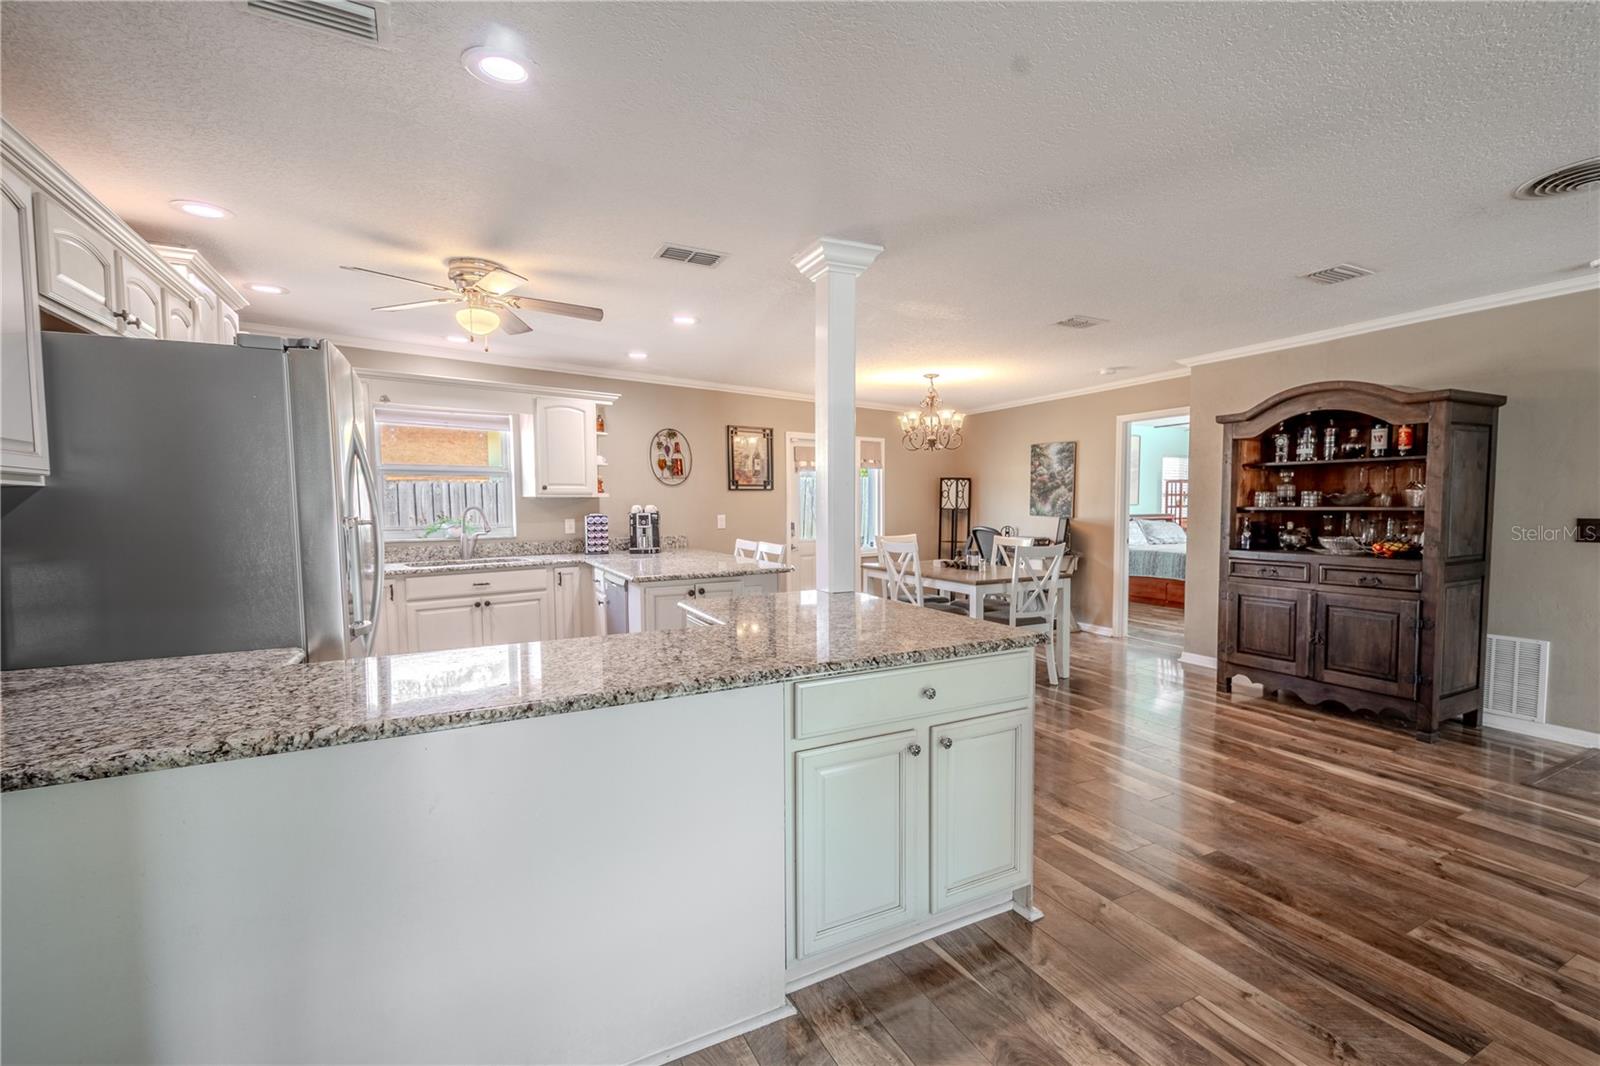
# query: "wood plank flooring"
{"points": [[1231, 880], [1157, 629]]}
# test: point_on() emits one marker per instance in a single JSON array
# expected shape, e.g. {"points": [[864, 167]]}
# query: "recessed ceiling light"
{"points": [[458, 338], [1107, 371], [268, 290], [201, 209], [638, 355], [495, 67], [684, 320]]}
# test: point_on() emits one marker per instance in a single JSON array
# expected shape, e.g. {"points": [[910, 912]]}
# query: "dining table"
{"points": [[977, 580]]}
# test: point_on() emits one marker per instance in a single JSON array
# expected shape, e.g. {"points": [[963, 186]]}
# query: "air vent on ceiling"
{"points": [[693, 256], [1514, 677], [1080, 322], [1569, 178], [1335, 274], [346, 18]]}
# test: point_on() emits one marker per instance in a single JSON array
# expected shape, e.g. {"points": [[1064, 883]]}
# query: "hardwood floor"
{"points": [[1157, 629], [1227, 879]]}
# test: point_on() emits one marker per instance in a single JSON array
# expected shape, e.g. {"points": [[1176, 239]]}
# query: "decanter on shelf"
{"points": [[1286, 493], [1305, 449], [1280, 444], [1383, 489], [1330, 441]]}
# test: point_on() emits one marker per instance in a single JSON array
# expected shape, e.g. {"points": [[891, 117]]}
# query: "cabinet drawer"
{"points": [[1356, 577], [1269, 571], [439, 585], [837, 704]]}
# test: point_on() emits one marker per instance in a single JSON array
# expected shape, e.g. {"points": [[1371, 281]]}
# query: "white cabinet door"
{"points": [[24, 442], [139, 295], [660, 605], [227, 325], [390, 639], [178, 319], [439, 625], [563, 448], [859, 851], [572, 594], [77, 264], [982, 829], [518, 618]]}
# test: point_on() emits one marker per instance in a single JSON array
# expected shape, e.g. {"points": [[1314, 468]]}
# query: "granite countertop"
{"points": [[673, 564], [79, 723]]}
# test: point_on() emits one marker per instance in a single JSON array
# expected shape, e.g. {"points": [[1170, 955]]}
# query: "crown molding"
{"points": [[455, 354], [1406, 318], [835, 255], [1143, 379]]}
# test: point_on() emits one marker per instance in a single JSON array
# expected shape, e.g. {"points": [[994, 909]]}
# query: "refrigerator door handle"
{"points": [[368, 626]]}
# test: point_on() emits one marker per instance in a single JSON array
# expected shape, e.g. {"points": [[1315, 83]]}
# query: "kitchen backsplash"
{"points": [[436, 551]]}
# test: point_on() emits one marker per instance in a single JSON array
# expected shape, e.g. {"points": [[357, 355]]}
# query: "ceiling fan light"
{"points": [[478, 321]]}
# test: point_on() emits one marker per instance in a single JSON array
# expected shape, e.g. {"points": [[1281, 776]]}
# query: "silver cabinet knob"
{"points": [[914, 748], [929, 692], [946, 743]]}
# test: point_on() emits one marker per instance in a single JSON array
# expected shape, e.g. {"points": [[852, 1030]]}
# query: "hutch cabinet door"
{"points": [[980, 807], [860, 866], [1270, 628], [1368, 643]]}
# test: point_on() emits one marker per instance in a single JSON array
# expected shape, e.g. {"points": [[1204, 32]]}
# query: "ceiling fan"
{"points": [[484, 287]]}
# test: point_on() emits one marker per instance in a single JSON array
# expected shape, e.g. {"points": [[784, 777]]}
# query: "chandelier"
{"points": [[931, 427]]}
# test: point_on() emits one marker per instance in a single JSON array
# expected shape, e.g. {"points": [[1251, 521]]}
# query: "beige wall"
{"points": [[703, 415], [996, 458], [1544, 357]]}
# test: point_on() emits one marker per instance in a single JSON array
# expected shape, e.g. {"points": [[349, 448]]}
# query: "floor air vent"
{"points": [[1514, 681], [1335, 274], [1568, 179], [346, 18], [693, 256]]}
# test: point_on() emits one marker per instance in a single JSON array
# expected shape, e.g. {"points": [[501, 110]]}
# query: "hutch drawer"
{"points": [[1269, 571], [1357, 577]]}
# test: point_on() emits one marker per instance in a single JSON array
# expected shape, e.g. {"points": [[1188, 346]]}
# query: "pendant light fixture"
{"points": [[931, 427]]}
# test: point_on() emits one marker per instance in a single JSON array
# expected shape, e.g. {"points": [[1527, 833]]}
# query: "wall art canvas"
{"points": [[1052, 474], [749, 459], [670, 459]]}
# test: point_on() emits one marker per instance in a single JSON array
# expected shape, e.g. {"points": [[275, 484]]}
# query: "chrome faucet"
{"points": [[469, 541]]}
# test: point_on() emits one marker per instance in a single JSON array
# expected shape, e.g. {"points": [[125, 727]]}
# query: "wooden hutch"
{"points": [[1333, 621]]}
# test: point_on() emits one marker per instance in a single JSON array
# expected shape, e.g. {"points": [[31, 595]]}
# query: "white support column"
{"points": [[833, 265]]}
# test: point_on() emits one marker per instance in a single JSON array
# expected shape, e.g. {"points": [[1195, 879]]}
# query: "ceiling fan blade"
{"points": [[511, 323], [419, 303], [500, 281], [554, 307], [398, 277]]}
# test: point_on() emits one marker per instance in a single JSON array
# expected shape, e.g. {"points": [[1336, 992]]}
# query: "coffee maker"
{"points": [[644, 530]]}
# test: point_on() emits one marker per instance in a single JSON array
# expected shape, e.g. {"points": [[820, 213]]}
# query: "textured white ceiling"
{"points": [[1169, 167]]}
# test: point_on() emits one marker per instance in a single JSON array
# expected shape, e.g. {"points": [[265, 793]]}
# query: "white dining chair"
{"points": [[1031, 599], [1000, 554], [745, 550], [769, 552], [902, 571]]}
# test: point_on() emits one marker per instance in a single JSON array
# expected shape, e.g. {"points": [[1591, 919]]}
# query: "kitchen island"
{"points": [[608, 849]]}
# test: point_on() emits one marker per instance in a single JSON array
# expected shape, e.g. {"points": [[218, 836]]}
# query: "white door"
{"points": [[564, 446], [801, 456], [439, 625], [981, 824], [518, 618], [859, 850], [77, 265], [572, 593], [24, 445], [178, 318], [140, 297]]}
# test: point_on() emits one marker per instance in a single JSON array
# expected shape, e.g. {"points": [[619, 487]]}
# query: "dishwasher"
{"points": [[611, 596]]}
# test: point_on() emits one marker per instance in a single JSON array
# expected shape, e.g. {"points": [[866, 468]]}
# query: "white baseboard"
{"points": [[727, 1032], [1561, 734], [1099, 631], [1204, 662]]}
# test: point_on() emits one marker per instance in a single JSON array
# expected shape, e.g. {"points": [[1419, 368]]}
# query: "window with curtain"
{"points": [[435, 464]]}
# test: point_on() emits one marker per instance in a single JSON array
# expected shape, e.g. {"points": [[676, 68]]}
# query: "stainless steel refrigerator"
{"points": [[201, 498]]}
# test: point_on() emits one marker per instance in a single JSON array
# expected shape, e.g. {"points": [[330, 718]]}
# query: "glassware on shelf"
{"points": [[1280, 444], [1286, 488], [1383, 488], [1310, 498], [1330, 441], [1305, 449], [1366, 530], [1416, 493], [1264, 498]]}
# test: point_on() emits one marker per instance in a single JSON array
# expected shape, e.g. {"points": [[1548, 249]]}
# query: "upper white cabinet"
{"points": [[559, 449], [138, 298], [212, 315], [24, 442], [178, 319], [77, 265]]}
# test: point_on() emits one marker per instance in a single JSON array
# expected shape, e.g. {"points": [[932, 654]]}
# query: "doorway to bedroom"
{"points": [[1153, 534]]}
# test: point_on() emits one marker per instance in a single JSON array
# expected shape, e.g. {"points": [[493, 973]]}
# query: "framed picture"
{"points": [[1052, 474], [749, 459], [670, 459]]}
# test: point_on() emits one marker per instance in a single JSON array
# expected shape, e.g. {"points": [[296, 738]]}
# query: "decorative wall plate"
{"points": [[670, 459]]}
